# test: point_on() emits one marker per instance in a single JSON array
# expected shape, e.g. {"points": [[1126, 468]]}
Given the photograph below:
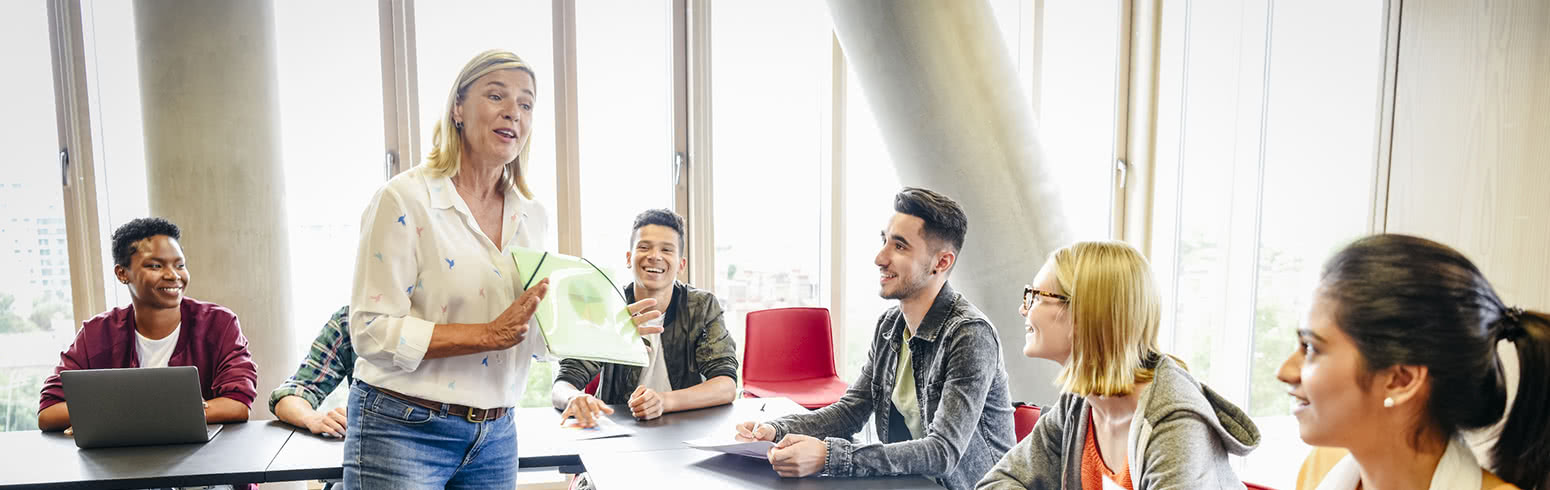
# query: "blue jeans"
{"points": [[392, 444]]}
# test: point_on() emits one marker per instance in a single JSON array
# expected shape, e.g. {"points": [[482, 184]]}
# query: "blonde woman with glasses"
{"points": [[438, 321], [1131, 416]]}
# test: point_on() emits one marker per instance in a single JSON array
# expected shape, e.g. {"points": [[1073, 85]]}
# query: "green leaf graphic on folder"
{"points": [[584, 315]]}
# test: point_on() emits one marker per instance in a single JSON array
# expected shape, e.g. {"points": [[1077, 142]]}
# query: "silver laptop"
{"points": [[136, 406]]}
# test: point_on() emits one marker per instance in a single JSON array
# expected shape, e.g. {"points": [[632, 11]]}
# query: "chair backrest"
{"points": [[591, 388], [788, 344], [1024, 417]]}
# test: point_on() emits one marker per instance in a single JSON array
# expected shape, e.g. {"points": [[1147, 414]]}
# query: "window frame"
{"points": [[1135, 111], [77, 166]]}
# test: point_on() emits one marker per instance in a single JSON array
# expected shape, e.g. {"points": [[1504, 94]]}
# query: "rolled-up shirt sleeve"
{"points": [[235, 373], [383, 326], [75, 357]]}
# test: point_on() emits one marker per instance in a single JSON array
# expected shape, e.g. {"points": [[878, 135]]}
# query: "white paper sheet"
{"points": [[604, 428], [730, 445]]}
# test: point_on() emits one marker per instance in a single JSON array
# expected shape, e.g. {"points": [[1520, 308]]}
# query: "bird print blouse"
{"points": [[423, 261]]}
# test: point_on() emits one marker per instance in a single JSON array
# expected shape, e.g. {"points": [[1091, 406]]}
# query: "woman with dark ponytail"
{"points": [[1398, 358]]}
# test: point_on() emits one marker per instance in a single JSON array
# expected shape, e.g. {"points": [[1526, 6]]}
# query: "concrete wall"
{"points": [[946, 97], [212, 153]]}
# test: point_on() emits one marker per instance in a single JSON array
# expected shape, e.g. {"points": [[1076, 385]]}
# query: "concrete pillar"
{"points": [[208, 90], [949, 106]]}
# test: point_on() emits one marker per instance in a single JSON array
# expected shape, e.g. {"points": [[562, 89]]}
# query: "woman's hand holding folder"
{"points": [[510, 328]]}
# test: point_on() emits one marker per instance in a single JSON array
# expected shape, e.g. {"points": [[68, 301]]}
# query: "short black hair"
{"points": [[125, 237], [659, 217], [945, 220]]}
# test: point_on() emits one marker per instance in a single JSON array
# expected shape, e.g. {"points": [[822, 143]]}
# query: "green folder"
{"points": [[584, 315]]}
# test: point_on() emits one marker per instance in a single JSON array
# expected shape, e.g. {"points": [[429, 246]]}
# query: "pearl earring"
{"points": [[1388, 402]]}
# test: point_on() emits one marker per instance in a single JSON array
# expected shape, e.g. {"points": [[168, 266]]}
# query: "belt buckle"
{"points": [[482, 415]]}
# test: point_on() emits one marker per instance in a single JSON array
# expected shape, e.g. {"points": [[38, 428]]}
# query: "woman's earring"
{"points": [[1388, 402], [458, 125]]}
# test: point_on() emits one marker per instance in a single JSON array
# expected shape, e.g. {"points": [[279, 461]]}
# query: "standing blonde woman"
{"points": [[439, 325], [1130, 415]]}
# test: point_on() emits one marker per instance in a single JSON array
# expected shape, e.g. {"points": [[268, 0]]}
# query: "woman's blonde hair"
{"points": [[1115, 312], [445, 157]]}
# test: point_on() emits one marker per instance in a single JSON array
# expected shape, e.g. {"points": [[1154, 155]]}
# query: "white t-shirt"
{"points": [[422, 260], [654, 375], [156, 353]]}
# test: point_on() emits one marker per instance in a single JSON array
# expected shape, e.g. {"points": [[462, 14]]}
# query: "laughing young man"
{"points": [[693, 361], [934, 381], [161, 327]]}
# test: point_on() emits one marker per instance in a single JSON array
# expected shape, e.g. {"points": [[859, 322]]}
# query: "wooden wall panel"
{"points": [[1471, 139]]}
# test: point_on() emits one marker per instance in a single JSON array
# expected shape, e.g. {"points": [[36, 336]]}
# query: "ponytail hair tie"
{"points": [[1513, 327]]}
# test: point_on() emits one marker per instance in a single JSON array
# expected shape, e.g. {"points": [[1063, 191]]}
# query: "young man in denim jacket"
{"points": [[934, 381]]}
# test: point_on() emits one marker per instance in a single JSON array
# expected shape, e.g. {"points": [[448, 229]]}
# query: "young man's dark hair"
{"points": [[126, 236], [945, 219], [659, 217]]}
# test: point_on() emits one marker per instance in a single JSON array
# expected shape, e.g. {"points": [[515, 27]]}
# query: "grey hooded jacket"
{"points": [[961, 384], [1179, 438]]}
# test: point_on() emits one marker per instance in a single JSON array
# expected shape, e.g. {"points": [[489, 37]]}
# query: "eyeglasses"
{"points": [[1030, 295]]}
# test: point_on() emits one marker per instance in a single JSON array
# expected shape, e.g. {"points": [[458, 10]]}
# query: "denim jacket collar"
{"points": [[936, 316]]}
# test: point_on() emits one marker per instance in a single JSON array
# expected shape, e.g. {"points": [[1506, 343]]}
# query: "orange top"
{"points": [[1093, 468]]}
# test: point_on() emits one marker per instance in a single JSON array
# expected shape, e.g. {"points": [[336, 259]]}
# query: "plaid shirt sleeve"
{"points": [[330, 361]]}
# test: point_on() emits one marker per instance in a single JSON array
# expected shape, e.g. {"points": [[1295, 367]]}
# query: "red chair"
{"points": [[789, 352], [591, 388], [1024, 416], [1251, 486]]}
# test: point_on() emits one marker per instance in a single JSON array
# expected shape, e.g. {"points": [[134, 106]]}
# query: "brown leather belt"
{"points": [[474, 415]]}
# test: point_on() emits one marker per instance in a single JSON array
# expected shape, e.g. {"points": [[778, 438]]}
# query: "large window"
{"points": [[332, 153], [770, 85], [118, 138], [332, 149], [35, 315], [625, 124], [1076, 77], [1265, 164], [870, 184], [1076, 107], [1250, 94], [445, 39]]}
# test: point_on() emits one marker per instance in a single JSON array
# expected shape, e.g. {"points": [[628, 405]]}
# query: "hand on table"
{"points": [[587, 409], [647, 404], [328, 424], [797, 456]]}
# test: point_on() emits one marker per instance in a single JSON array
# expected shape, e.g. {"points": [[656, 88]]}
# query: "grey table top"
{"points": [[666, 432], [273, 451], [240, 453], [541, 443], [694, 468]]}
